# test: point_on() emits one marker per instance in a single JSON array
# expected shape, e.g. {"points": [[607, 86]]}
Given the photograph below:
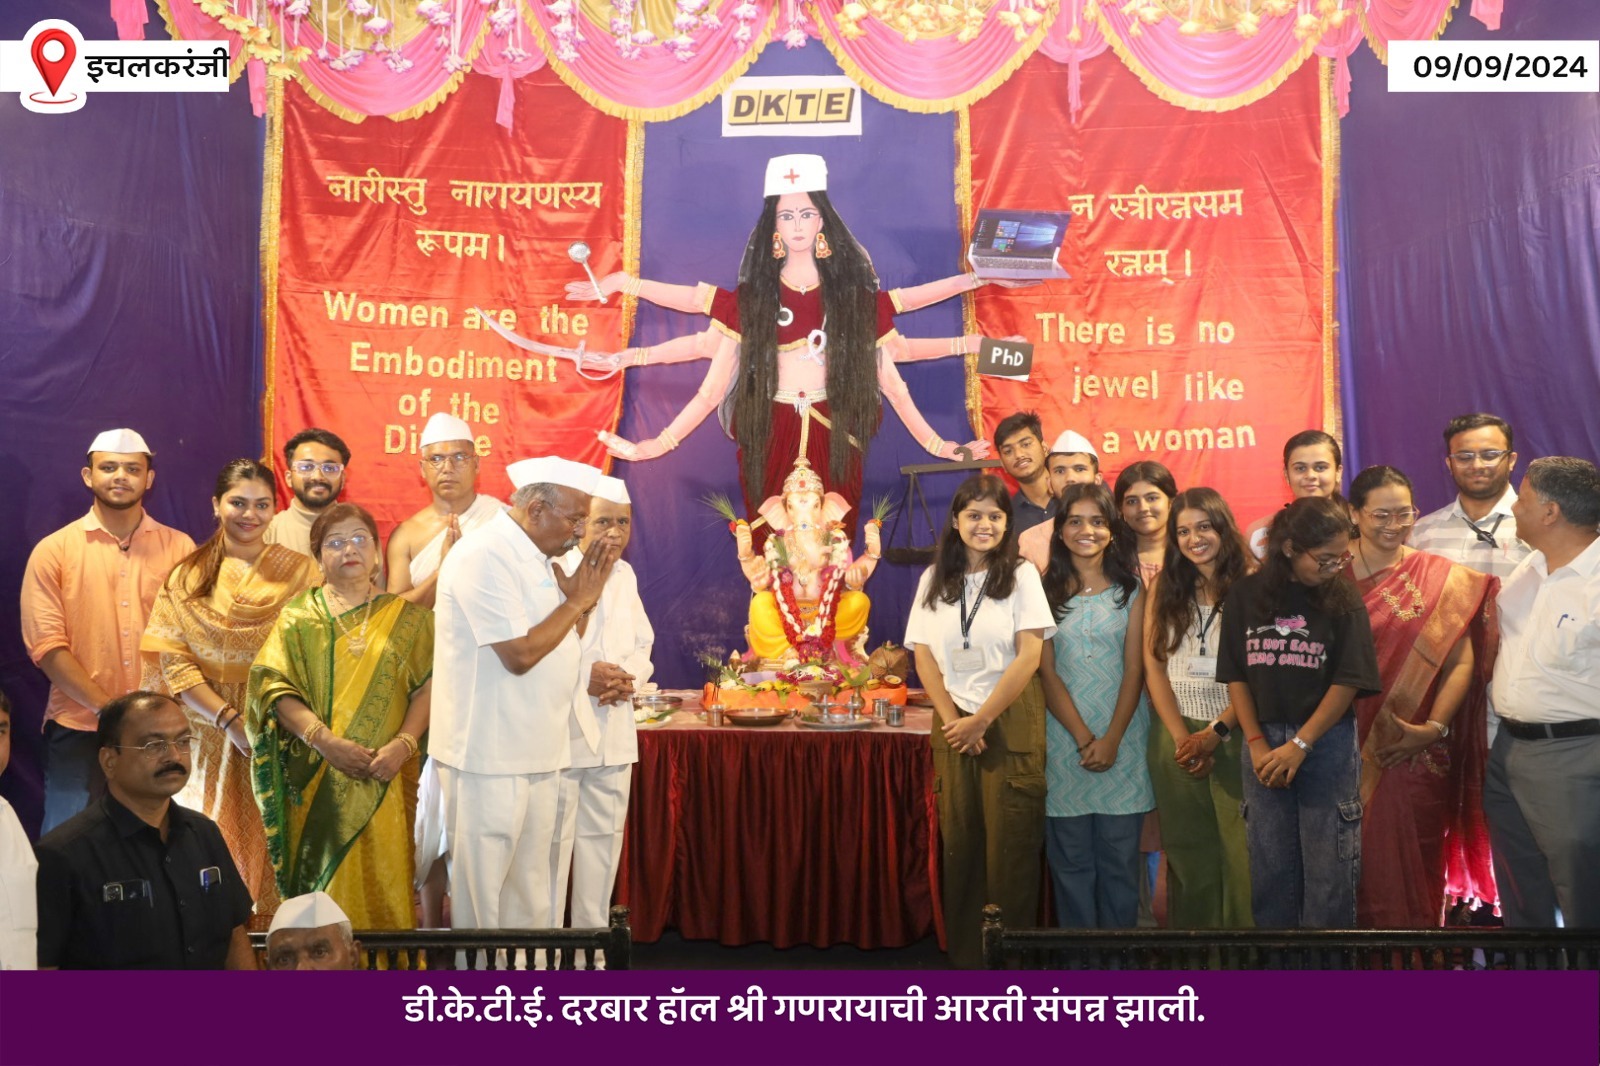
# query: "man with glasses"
{"points": [[86, 596], [1541, 791], [449, 465], [1476, 528], [506, 665], [135, 881], [315, 463]]}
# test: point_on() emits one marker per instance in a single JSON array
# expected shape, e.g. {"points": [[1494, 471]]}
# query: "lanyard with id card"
{"points": [[1203, 667], [968, 660]]}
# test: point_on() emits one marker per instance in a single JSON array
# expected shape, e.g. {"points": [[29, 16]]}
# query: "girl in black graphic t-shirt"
{"points": [[1296, 652]]}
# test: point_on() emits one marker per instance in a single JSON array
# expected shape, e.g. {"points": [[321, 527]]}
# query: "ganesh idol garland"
{"points": [[800, 352], [806, 601]]}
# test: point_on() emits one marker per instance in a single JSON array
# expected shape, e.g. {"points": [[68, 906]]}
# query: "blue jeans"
{"points": [[72, 776], [1095, 869], [1305, 840]]}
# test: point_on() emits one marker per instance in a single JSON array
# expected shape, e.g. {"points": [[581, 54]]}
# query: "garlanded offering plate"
{"points": [[757, 716]]}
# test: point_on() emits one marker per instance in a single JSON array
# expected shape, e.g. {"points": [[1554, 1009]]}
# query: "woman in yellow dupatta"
{"points": [[1423, 739], [337, 708], [209, 620]]}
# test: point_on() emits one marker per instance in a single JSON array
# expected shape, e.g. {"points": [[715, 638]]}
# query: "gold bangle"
{"points": [[933, 444], [668, 441], [641, 355], [410, 742], [632, 286], [310, 734]]}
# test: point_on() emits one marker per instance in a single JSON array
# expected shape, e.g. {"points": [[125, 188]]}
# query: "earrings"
{"points": [[824, 249], [778, 250]]}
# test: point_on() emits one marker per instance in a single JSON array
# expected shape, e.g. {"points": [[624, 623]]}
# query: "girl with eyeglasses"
{"points": [[338, 707], [1424, 738], [1296, 652]]}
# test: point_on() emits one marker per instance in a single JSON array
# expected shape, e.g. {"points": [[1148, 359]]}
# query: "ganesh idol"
{"points": [[800, 352], [807, 602]]}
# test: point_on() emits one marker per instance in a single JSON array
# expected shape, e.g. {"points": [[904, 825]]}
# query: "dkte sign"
{"points": [[800, 106], [1005, 359]]}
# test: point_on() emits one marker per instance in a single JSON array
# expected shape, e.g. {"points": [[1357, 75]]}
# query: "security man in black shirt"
{"points": [[135, 881]]}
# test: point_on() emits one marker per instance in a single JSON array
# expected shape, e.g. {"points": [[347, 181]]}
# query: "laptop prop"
{"points": [[1018, 244]]}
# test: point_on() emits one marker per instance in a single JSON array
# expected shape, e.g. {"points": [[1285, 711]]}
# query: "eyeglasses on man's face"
{"points": [[454, 459], [1487, 457], [156, 749], [306, 466]]}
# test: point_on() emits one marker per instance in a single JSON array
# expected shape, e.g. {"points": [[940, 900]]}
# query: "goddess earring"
{"points": [[824, 249], [778, 250]]}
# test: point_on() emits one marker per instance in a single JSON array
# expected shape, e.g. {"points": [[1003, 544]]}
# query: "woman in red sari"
{"points": [[1423, 740]]}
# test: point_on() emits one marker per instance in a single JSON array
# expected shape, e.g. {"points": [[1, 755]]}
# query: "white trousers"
{"points": [[592, 812], [501, 829]]}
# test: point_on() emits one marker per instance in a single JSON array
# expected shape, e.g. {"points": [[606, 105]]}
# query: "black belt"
{"points": [[1586, 727]]}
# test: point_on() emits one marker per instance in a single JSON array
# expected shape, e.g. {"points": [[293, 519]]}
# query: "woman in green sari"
{"points": [[338, 704]]}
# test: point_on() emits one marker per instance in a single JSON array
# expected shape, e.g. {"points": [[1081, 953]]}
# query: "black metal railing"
{"points": [[1455, 948], [492, 949]]}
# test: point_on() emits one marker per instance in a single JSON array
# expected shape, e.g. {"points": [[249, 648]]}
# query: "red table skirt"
{"points": [[784, 835]]}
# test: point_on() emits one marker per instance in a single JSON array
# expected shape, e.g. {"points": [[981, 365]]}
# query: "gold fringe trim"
{"points": [[969, 299], [271, 217], [731, 335], [946, 104], [601, 39], [1381, 48], [236, 66], [1197, 103], [426, 107], [632, 199], [1332, 400], [632, 209]]}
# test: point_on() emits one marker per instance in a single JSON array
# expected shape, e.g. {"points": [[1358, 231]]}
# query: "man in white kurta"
{"points": [[616, 645], [448, 463], [506, 675]]}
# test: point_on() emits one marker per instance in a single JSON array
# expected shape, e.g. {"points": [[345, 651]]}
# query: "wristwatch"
{"points": [[1220, 728]]}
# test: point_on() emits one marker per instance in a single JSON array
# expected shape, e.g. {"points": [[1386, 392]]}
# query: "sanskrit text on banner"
{"points": [[1193, 328], [397, 240]]}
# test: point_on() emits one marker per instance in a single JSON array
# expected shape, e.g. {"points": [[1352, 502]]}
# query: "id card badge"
{"points": [[1203, 667], [966, 660]]}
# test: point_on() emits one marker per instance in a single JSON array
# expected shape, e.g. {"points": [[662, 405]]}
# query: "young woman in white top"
{"points": [[1194, 746], [976, 630]]}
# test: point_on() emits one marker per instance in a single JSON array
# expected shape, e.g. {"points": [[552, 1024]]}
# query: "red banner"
{"points": [[1194, 328], [391, 242]]}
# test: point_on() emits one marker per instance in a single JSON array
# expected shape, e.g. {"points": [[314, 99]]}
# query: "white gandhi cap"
{"points": [[122, 441], [310, 911], [1073, 443], [551, 470], [611, 489], [442, 427], [796, 173]]}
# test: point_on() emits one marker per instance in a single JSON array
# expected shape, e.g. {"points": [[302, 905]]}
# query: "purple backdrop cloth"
{"points": [[1473, 260], [702, 194], [128, 296]]}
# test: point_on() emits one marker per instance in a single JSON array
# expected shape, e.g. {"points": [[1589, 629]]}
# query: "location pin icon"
{"points": [[54, 71]]}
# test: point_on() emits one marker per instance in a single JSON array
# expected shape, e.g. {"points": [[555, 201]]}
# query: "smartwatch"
{"points": [[1220, 728]]}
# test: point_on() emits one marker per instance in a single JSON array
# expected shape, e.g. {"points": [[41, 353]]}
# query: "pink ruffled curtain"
{"points": [[1209, 71], [1072, 38], [933, 74], [656, 85]]}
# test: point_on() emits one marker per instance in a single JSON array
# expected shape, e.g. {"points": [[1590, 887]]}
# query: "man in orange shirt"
{"points": [[85, 597]]}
